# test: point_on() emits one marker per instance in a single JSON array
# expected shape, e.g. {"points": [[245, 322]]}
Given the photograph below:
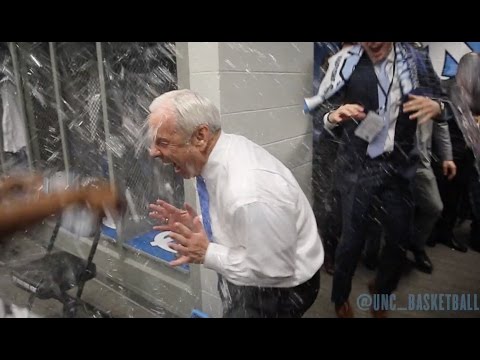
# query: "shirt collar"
{"points": [[216, 156], [389, 59]]}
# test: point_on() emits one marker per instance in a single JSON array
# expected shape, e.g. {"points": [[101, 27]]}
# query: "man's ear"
{"points": [[201, 136]]}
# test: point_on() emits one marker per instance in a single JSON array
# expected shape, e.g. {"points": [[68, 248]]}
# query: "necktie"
{"points": [[204, 206], [377, 145]]}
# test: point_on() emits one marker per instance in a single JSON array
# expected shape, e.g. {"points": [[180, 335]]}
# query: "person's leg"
{"points": [[397, 200], [355, 206], [330, 229], [428, 205], [373, 242], [475, 205], [325, 199], [451, 193], [428, 208]]}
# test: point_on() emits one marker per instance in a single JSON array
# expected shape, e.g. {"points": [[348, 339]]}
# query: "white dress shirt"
{"points": [[395, 97], [264, 229]]}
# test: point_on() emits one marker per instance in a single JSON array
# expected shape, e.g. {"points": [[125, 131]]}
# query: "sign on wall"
{"points": [[446, 55]]}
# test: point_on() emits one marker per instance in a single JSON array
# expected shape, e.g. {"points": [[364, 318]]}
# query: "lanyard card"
{"points": [[370, 127]]}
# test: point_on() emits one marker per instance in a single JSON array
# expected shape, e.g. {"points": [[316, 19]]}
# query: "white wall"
{"points": [[259, 89], [262, 87]]}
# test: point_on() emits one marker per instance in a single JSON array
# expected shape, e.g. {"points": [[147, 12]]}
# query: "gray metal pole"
{"points": [[2, 158], [60, 114], [21, 100], [103, 94], [2, 154]]}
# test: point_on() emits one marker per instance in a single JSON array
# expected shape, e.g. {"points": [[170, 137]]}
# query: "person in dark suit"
{"points": [[378, 93], [327, 194], [464, 93]]}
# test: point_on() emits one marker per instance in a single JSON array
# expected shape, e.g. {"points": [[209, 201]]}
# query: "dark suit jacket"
{"points": [[362, 89]]}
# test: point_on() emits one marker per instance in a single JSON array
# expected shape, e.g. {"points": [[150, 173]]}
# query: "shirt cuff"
{"points": [[328, 125], [443, 115], [214, 257]]}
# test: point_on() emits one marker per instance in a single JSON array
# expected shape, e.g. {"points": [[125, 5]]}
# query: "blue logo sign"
{"points": [[446, 55]]}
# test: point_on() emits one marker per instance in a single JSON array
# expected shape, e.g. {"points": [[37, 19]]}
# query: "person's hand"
{"points": [[345, 112], [191, 244], [100, 196], [449, 169], [169, 215], [422, 108]]}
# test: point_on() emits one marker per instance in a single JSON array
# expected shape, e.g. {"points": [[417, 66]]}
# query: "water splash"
{"points": [[135, 73]]}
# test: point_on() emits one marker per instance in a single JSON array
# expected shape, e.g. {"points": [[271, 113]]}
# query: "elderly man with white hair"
{"points": [[257, 229]]}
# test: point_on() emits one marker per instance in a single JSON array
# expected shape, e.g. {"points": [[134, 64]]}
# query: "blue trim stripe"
{"points": [[198, 314], [108, 231]]}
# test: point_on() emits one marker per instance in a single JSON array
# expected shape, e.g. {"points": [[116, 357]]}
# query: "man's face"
{"points": [[172, 146], [377, 51]]}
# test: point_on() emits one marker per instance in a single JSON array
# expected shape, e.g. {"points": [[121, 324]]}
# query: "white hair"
{"points": [[191, 109]]}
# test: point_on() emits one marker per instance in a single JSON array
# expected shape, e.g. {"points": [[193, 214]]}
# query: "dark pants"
{"points": [[326, 197], [428, 207], [454, 196], [379, 190], [373, 238], [265, 302], [474, 195]]}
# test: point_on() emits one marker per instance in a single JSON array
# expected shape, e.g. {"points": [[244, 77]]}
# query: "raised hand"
{"points": [[169, 215], [421, 108], [191, 244], [346, 112]]}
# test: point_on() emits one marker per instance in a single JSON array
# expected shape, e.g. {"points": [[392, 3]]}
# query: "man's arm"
{"points": [[441, 138], [12, 184], [439, 94], [333, 113], [321, 113], [19, 214]]}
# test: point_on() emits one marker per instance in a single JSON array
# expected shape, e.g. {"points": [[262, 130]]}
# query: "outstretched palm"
{"points": [[169, 215]]}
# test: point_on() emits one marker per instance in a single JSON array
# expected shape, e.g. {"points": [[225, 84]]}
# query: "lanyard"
{"points": [[387, 93]]}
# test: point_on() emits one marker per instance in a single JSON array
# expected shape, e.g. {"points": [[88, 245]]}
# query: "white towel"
{"points": [[14, 132]]}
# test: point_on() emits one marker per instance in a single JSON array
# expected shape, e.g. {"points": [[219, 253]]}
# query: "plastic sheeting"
{"points": [[134, 74]]}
